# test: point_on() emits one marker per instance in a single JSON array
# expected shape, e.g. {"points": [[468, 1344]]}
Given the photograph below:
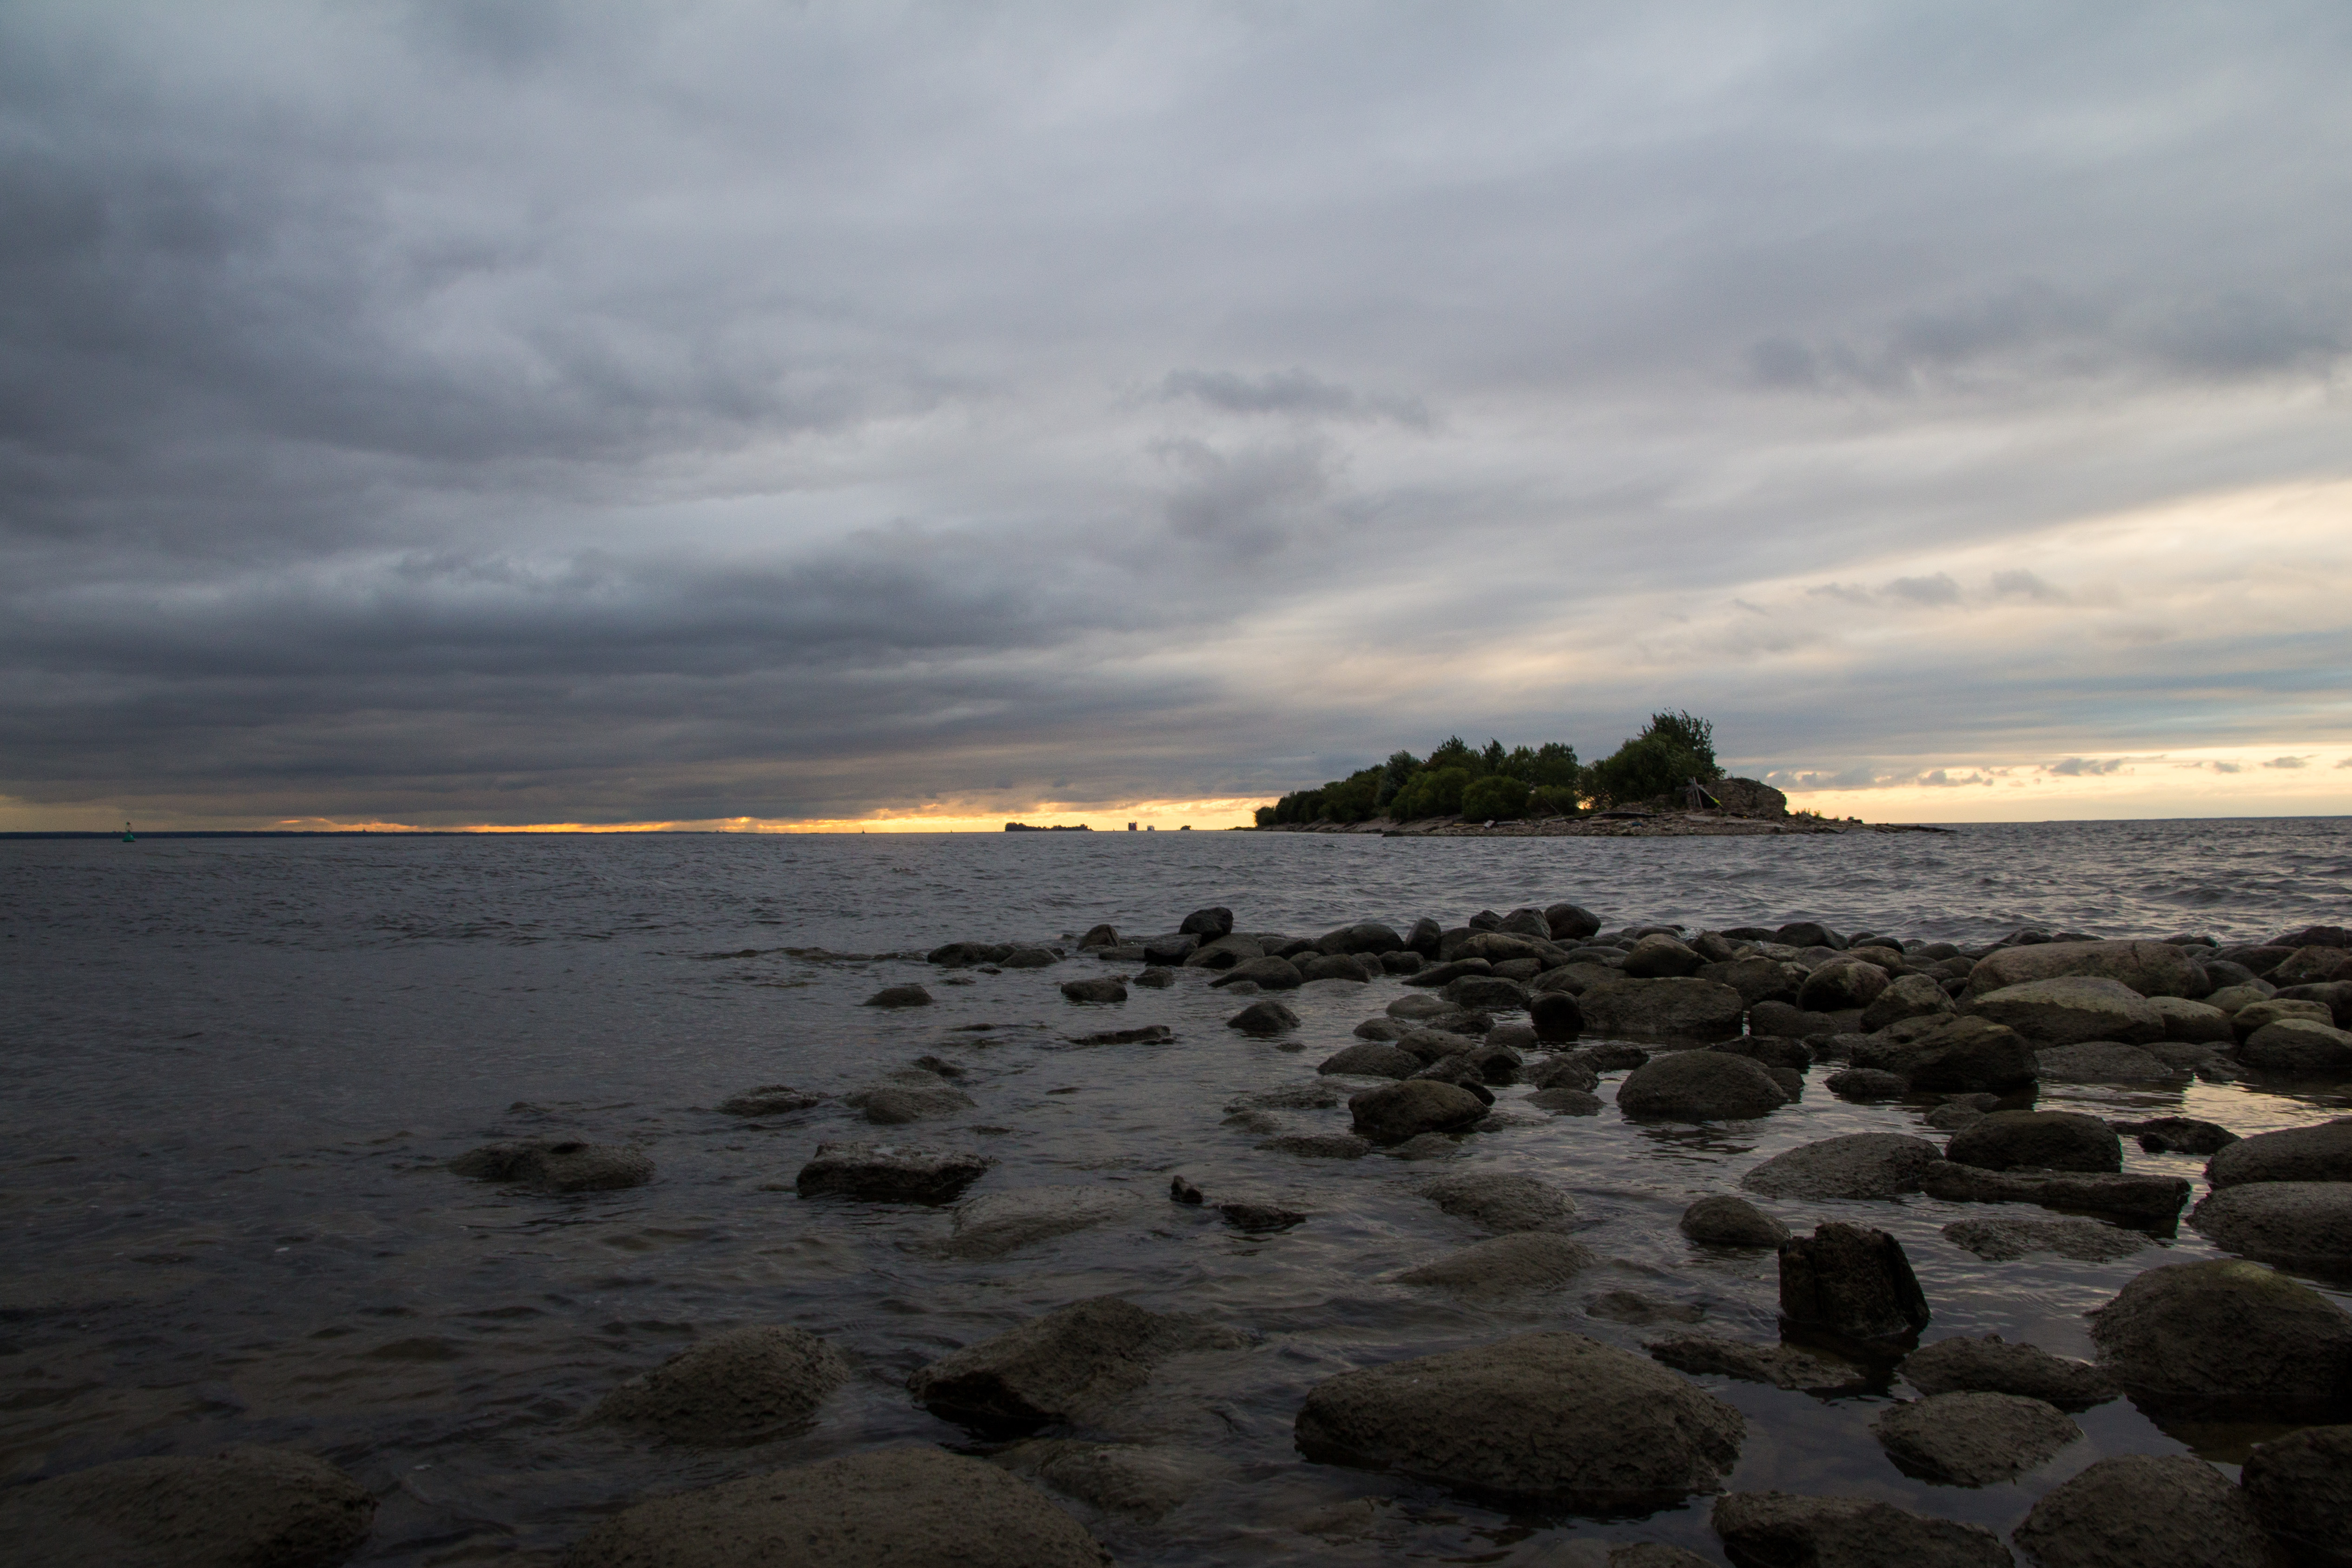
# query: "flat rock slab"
{"points": [[744, 1386], [890, 1173], [2305, 1224], [1551, 1416], [1782, 1366], [1992, 1365], [1972, 1439], [1859, 1165], [1054, 1366], [2148, 1511], [1848, 1532], [2137, 1199], [247, 1506], [1501, 1201], [2101, 1061], [2084, 1240], [997, 1223], [2321, 1154], [2037, 1140], [1523, 1264], [564, 1165], [877, 1509]]}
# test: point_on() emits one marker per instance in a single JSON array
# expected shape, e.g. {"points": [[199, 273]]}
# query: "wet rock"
{"points": [[1655, 957], [889, 1172], [2145, 1511], [1054, 1366], [2176, 1135], [1782, 1366], [1404, 962], [1371, 1059], [1431, 1044], [1972, 1438], [2321, 1154], [2256, 1015], [1223, 952], [2312, 966], [1157, 978], [2301, 1489], [1773, 1052], [887, 1506], [1731, 1222], [1479, 1065], [1686, 1008], [1775, 1528], [2084, 1240], [1308, 1094], [745, 1385], [1520, 1264], [1757, 979], [899, 996], [2101, 1061], [1211, 922], [769, 1099], [1484, 991], [1387, 1031], [1141, 1482], [2302, 1224], [1614, 1056], [1851, 1281], [2224, 1328], [2039, 1140], [1573, 1070], [1554, 1415], [1103, 990], [1991, 1365], [1570, 922], [1264, 1018], [1257, 1212], [1700, 1086], [1168, 952], [1267, 973], [1841, 984], [997, 1223], [2195, 1023], [1425, 1146], [1501, 1201], [1969, 1055], [560, 1165], [2144, 968], [1566, 1102], [961, 955], [2229, 999], [1631, 1307], [1858, 1165], [2297, 1046], [1098, 936], [1394, 1112], [2335, 995], [1910, 996], [1320, 1145], [2139, 1200], [892, 1105], [1954, 1114], [1516, 1037], [2069, 1011], [1423, 937], [247, 1507], [1338, 967], [1555, 1015], [1868, 1083]]}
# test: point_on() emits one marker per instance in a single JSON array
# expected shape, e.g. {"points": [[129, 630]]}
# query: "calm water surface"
{"points": [[235, 1068]]}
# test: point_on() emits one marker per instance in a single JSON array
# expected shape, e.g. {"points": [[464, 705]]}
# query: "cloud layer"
{"points": [[462, 412]]}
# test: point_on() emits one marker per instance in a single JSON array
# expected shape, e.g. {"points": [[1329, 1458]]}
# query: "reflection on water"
{"points": [[237, 1069]]}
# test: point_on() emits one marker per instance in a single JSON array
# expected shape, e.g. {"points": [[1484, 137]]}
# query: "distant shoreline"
{"points": [[1607, 824]]}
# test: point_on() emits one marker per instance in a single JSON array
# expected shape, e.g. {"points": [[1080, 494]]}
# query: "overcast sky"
{"points": [[458, 413]]}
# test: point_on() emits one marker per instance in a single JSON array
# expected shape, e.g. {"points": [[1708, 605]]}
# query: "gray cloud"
{"points": [[2287, 763], [2085, 767]]}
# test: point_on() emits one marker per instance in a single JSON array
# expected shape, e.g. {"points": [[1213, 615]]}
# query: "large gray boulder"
{"points": [[2302, 1225], [1484, 992], [1519, 1264], [245, 1507], [1658, 956], [1858, 1165], [896, 1104], [745, 1385], [2254, 1017], [1372, 1059], [1700, 1086], [1910, 996], [1338, 967], [1208, 923], [2301, 1487], [1776, 1528], [1841, 984], [1687, 1008], [1851, 1280], [877, 1509], [1266, 1018], [1501, 1201], [556, 1165], [1056, 1366], [2152, 1201], [2297, 1046], [2321, 1154], [1972, 1438], [2225, 1329], [994, 1224], [2193, 1023], [890, 1173], [1551, 1416], [2069, 1011], [1723, 1221], [2145, 1511], [1267, 973], [2037, 1140], [1368, 936], [1394, 1112], [1970, 1055], [2145, 968], [1991, 1365]]}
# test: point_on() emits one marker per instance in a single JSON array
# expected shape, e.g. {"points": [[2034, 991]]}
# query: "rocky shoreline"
{"points": [[1685, 1028]]}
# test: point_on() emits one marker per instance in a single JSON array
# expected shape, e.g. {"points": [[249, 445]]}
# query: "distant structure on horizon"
{"points": [[1029, 828]]}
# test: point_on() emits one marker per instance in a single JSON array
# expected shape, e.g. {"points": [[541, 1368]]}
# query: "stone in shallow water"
{"points": [[899, 996], [1700, 1086], [1632, 1306], [564, 1165], [1848, 1532], [769, 1099], [1858, 1165], [1731, 1222], [744, 1386], [246, 1506], [2298, 1224], [2141, 1200], [894, 1105], [890, 1173], [2084, 1240], [1566, 1102], [2101, 1061], [1782, 1366], [2301, 1487], [1972, 1439], [2225, 1328], [2147, 1510], [1516, 1265], [1131, 1479], [2038, 1140], [1991, 1365], [1502, 1201], [1320, 1145], [2176, 1135], [2321, 1154], [1398, 1111], [997, 1223], [1056, 1366], [1850, 1280]]}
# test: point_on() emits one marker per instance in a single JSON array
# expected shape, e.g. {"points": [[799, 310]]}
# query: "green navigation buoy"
{"points": [[128, 837]]}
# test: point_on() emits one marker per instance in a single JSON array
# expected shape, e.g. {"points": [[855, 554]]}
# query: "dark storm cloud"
{"points": [[495, 410]]}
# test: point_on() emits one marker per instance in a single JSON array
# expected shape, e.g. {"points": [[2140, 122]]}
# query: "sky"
{"points": [[450, 413]]}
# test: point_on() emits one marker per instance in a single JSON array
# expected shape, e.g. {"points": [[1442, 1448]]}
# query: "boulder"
{"points": [[1223, 952], [1264, 1018], [2176, 1135], [1858, 1165], [1700, 1086], [1851, 1280], [1503, 947], [895, 1104], [2069, 1011], [1142, 1034], [2084, 1240], [1372, 1059], [2151, 1201], [1168, 952], [2225, 1329], [1106, 989], [1394, 1112], [2254, 1015], [1368, 936], [2145, 1511], [1502, 1202], [2301, 1489], [884, 1507], [1570, 922], [1420, 1009], [247, 1507], [745, 1385], [2312, 966], [2335, 995], [2039, 1140], [960, 954], [1098, 936], [1911, 996], [899, 996], [1320, 1145], [2321, 1154], [1840, 985], [1778, 1527], [1477, 1065], [2231, 999], [1689, 1008], [2192, 1022], [1808, 933], [1782, 1366], [1555, 1015], [1516, 1265], [2297, 1044], [556, 1165], [1484, 991], [1432, 1044], [2101, 1061], [1031, 957], [1338, 967], [1573, 1070], [1972, 1438], [1054, 1366], [769, 1099], [1403, 962], [1551, 1416], [1731, 1222], [1430, 976], [1209, 923], [997, 1223], [1757, 979], [1655, 957], [890, 1173], [1386, 1031], [2302, 1224], [1157, 978], [2317, 936], [1266, 973], [1991, 1365], [1868, 1083], [2145, 968]]}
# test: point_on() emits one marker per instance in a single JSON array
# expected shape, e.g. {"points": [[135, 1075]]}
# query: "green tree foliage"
{"points": [[1672, 748], [1507, 783], [1498, 797], [1436, 792], [1455, 753]]}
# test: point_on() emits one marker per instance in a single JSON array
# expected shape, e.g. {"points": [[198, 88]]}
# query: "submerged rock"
{"points": [[1054, 1366], [1972, 1438], [563, 1165], [2040, 1140], [2176, 1135], [2148, 1511], [1851, 1281], [2301, 1489], [1782, 1366], [2101, 1061], [2084, 1240], [894, 1105], [1514, 1265], [1731, 1222], [1552, 1415], [1991, 1365], [1970, 1055], [1501, 1201], [1264, 1018], [1690, 1008], [1395, 1112], [890, 1173], [1141, 1482], [997, 1223], [1372, 1059], [744, 1386], [1102, 990], [1858, 1165], [1848, 1532], [2225, 1328], [1320, 1145], [1700, 1085], [249, 1506], [1632, 1306], [1868, 1083], [887, 1506], [2305, 1224], [899, 996], [1566, 1102], [1555, 1015], [2321, 1154], [769, 1099]]}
